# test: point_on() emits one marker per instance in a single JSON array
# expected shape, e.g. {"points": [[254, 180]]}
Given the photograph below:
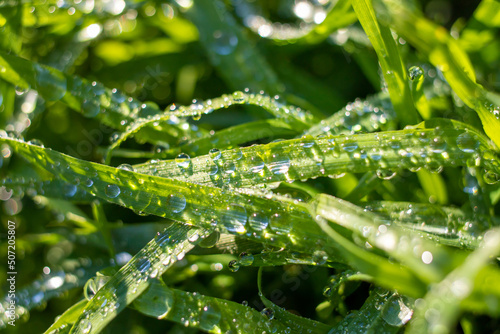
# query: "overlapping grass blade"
{"points": [[444, 52], [212, 315], [443, 300], [63, 324], [132, 279], [392, 65]]}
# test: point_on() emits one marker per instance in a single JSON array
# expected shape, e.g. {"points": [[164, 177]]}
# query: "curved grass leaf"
{"points": [[212, 315], [428, 262], [392, 65], [444, 52], [63, 324], [339, 15], [383, 312], [92, 99], [440, 307], [308, 157], [132, 279]]}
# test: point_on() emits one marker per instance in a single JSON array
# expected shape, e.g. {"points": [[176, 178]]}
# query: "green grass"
{"points": [[250, 166]]}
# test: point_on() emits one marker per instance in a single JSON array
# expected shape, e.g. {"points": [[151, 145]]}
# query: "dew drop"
{"points": [[268, 313], [127, 167], [319, 257], [86, 326], [246, 259], [183, 160], [349, 145], [143, 264], [256, 164], [177, 203], [215, 154], [210, 319], [385, 174], [69, 190], [233, 265], [239, 97], [279, 165], [112, 190], [491, 177], [258, 221], [224, 43], [415, 73], [90, 108], [467, 143], [438, 145], [50, 84], [234, 218], [396, 312], [211, 240]]}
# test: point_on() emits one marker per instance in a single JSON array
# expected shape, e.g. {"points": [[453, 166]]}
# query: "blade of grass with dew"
{"points": [[274, 220], [196, 110], [392, 65], [389, 238], [73, 274], [111, 107], [307, 157], [384, 272], [444, 299], [63, 323], [209, 314], [280, 222], [373, 114], [383, 312], [338, 16], [299, 324], [132, 279], [445, 225], [433, 186], [444, 52]]}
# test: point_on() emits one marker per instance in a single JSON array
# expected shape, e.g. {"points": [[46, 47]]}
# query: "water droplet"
{"points": [[183, 160], [268, 313], [36, 142], [349, 145], [256, 164], [127, 167], [385, 174], [233, 265], [210, 319], [280, 224], [246, 259], [438, 145], [319, 257], [112, 190], [279, 165], [229, 167], [239, 97], [193, 235], [69, 190], [90, 108], [396, 312], [467, 143], [143, 264], [258, 221], [234, 218], [86, 326], [224, 42], [210, 241], [491, 177], [415, 73], [50, 84], [177, 203], [215, 154]]}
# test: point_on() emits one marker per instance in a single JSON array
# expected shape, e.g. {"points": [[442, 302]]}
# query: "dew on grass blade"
{"points": [[467, 143], [183, 160], [50, 84], [112, 190], [258, 221], [176, 203], [210, 319], [235, 218]]}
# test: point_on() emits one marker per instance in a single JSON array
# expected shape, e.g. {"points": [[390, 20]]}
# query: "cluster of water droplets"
{"points": [[310, 14], [374, 114]]}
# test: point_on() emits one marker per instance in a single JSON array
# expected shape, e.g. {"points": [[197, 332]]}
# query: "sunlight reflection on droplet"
{"points": [[427, 257]]}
